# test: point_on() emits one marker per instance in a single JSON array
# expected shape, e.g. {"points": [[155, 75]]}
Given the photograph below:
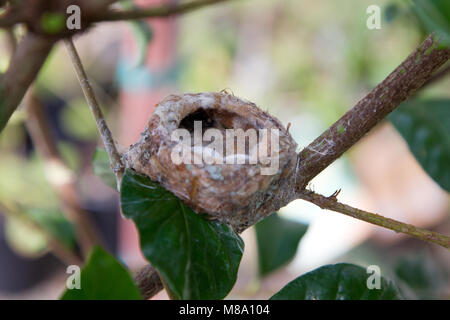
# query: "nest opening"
{"points": [[207, 118], [222, 120]]}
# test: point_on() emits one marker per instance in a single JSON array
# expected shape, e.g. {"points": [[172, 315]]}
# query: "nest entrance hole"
{"points": [[218, 119]]}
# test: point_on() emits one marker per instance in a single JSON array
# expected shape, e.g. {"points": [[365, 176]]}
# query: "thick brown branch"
{"points": [[148, 282], [331, 203], [161, 11], [439, 75], [28, 59], [383, 99]]}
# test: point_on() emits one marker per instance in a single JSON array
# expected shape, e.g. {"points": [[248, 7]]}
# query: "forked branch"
{"points": [[331, 203]]}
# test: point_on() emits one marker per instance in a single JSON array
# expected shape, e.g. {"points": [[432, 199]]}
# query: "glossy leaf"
{"points": [[277, 239], [425, 125], [102, 168], [341, 281], [198, 259], [103, 278]]}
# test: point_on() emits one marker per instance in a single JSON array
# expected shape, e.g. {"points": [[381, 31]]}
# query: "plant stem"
{"points": [[148, 281], [331, 203], [105, 133], [409, 76], [164, 10]]}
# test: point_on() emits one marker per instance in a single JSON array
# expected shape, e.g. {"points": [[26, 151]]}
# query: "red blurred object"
{"points": [[136, 104]]}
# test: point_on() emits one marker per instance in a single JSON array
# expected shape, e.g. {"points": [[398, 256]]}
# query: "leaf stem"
{"points": [[105, 133], [331, 203]]}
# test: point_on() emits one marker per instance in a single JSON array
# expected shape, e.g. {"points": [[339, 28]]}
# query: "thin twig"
{"points": [[331, 203], [411, 75], [164, 10], [105, 133], [58, 174]]}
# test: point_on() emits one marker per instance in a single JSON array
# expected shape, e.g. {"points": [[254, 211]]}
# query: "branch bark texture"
{"points": [[105, 133], [164, 10], [409, 76], [148, 281], [25, 64], [331, 203]]}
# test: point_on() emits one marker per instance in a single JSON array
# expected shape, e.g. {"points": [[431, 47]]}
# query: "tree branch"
{"points": [[25, 64], [383, 99], [58, 174], [331, 203], [439, 75], [105, 133], [409, 76], [148, 281], [164, 10]]}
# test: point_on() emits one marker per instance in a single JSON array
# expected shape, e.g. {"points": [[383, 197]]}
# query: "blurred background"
{"points": [[305, 61]]}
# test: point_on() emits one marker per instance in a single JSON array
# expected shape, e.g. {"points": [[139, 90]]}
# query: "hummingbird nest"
{"points": [[238, 194]]}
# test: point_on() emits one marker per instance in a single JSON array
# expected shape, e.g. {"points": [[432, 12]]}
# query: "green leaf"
{"points": [[55, 223], [143, 34], [102, 168], [25, 240], [423, 274], [26, 229], [391, 11], [341, 281], [435, 16], [198, 259], [104, 278], [425, 125], [277, 240], [53, 23]]}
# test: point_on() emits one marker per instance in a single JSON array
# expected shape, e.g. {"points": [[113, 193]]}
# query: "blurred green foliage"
{"points": [[103, 278], [425, 126], [277, 240]]}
